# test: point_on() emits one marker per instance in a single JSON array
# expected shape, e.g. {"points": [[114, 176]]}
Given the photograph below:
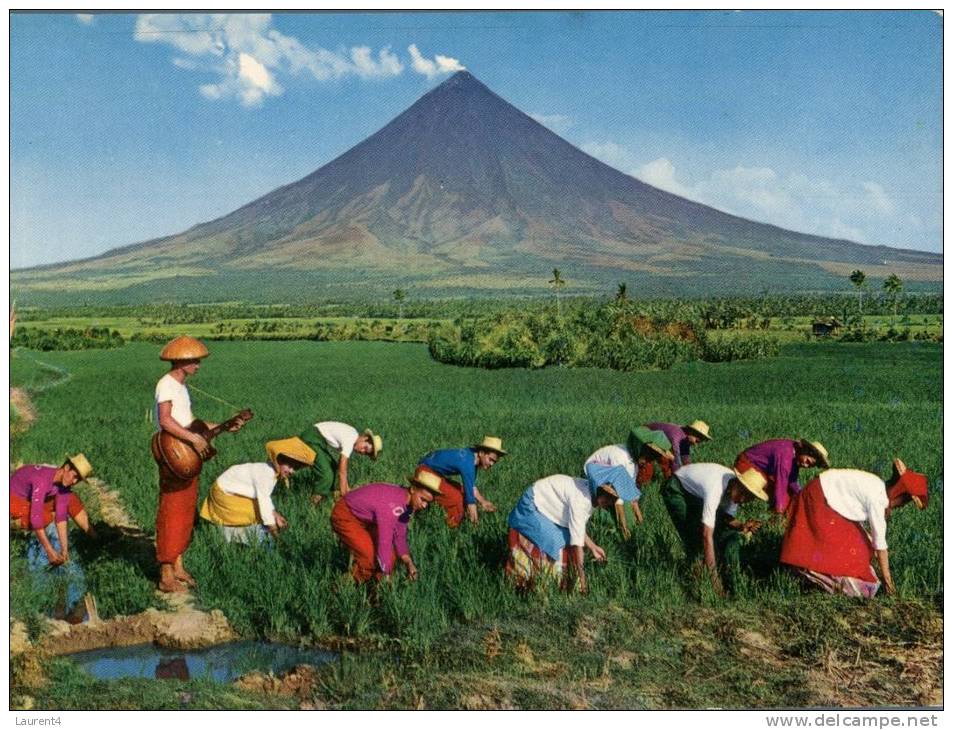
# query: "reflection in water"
{"points": [[175, 668], [66, 582], [222, 663]]}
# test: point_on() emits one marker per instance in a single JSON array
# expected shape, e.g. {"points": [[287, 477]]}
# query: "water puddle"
{"points": [[66, 584], [221, 663]]}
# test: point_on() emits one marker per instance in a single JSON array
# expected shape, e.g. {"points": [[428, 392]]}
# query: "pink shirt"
{"points": [[35, 484], [384, 506]]}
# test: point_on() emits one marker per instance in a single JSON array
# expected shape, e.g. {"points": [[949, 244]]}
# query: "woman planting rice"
{"points": [[240, 500], [702, 500], [779, 461], [372, 522], [548, 525], [682, 438], [455, 498], [825, 541], [643, 447], [334, 443], [41, 495]]}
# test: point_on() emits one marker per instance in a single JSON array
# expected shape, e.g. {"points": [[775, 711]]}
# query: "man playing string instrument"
{"points": [[177, 496]]}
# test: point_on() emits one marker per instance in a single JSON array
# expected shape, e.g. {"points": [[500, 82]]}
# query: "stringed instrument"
{"points": [[180, 457]]}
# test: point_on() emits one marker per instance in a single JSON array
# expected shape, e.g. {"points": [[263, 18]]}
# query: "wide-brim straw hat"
{"points": [[184, 348], [293, 448], [492, 443], [698, 428], [377, 443], [426, 479], [817, 450], [754, 481], [81, 464]]}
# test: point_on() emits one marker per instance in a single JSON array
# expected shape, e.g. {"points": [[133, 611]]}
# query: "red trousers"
{"points": [[450, 499], [820, 539], [20, 510], [176, 515], [647, 470], [360, 538]]}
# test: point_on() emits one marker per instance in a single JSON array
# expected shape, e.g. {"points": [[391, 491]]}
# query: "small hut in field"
{"points": [[825, 327]]}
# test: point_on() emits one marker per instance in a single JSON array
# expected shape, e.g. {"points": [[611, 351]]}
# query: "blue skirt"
{"points": [[537, 528]]}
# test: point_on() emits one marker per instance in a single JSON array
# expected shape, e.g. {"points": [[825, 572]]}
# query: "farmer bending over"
{"points": [[637, 456], [702, 500], [779, 461], [372, 522], [240, 500], [333, 443], [40, 495], [826, 543], [547, 528], [682, 438], [464, 463]]}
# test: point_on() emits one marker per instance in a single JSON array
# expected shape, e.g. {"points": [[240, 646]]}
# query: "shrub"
{"points": [[91, 338]]}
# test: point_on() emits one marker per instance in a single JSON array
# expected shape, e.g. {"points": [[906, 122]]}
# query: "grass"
{"points": [[866, 402]]}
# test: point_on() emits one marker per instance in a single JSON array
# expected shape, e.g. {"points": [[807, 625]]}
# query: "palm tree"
{"points": [[557, 281], [859, 279], [621, 295], [399, 296], [893, 286]]}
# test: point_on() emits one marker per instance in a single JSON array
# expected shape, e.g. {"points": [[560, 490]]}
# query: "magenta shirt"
{"points": [[385, 506], [776, 458], [35, 484], [681, 448]]}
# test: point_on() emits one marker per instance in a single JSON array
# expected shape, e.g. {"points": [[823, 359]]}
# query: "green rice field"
{"points": [[647, 636]]}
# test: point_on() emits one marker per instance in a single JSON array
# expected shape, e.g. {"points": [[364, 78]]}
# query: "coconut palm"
{"points": [[557, 282], [893, 285], [621, 295], [859, 279], [399, 296]]}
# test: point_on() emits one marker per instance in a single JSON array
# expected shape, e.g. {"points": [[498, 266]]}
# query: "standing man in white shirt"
{"points": [[334, 443], [178, 497], [702, 500]]}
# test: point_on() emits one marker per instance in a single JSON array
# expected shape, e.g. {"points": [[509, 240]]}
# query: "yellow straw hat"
{"points": [[81, 464], [184, 348], [377, 443], [293, 448], [492, 443], [754, 481], [817, 450], [426, 479], [699, 428]]}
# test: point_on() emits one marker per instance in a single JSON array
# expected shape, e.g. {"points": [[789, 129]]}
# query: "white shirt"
{"points": [[170, 389], [709, 482], [255, 481], [566, 501], [859, 496], [339, 436], [613, 455]]}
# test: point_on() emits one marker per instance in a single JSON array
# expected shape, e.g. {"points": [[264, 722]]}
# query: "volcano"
{"points": [[464, 192]]}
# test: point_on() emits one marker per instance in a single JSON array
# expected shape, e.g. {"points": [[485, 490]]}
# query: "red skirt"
{"points": [[176, 515], [820, 539]]}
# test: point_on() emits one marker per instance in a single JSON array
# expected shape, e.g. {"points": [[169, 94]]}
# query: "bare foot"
{"points": [[172, 586], [185, 577]]}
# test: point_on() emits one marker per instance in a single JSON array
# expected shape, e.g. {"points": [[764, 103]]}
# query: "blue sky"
{"points": [[128, 127]]}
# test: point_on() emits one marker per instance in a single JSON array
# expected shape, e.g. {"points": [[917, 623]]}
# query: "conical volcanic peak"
{"points": [[462, 188]]}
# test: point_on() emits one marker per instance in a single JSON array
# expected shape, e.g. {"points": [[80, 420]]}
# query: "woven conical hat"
{"points": [[184, 348]]}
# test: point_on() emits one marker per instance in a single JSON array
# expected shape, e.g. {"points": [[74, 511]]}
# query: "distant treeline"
{"points": [[618, 335], [91, 338], [715, 312]]}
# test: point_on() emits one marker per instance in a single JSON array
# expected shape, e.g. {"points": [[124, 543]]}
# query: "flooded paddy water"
{"points": [[220, 663]]}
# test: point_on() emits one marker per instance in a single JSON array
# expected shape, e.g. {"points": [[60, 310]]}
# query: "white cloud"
{"points": [[559, 123], [789, 199], [249, 55], [85, 18], [440, 64]]}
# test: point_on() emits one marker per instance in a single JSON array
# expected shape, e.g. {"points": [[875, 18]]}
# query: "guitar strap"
{"points": [[213, 397]]}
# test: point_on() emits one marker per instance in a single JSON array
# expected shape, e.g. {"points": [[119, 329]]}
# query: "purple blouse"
{"points": [[385, 506], [35, 484], [776, 458], [681, 447]]}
